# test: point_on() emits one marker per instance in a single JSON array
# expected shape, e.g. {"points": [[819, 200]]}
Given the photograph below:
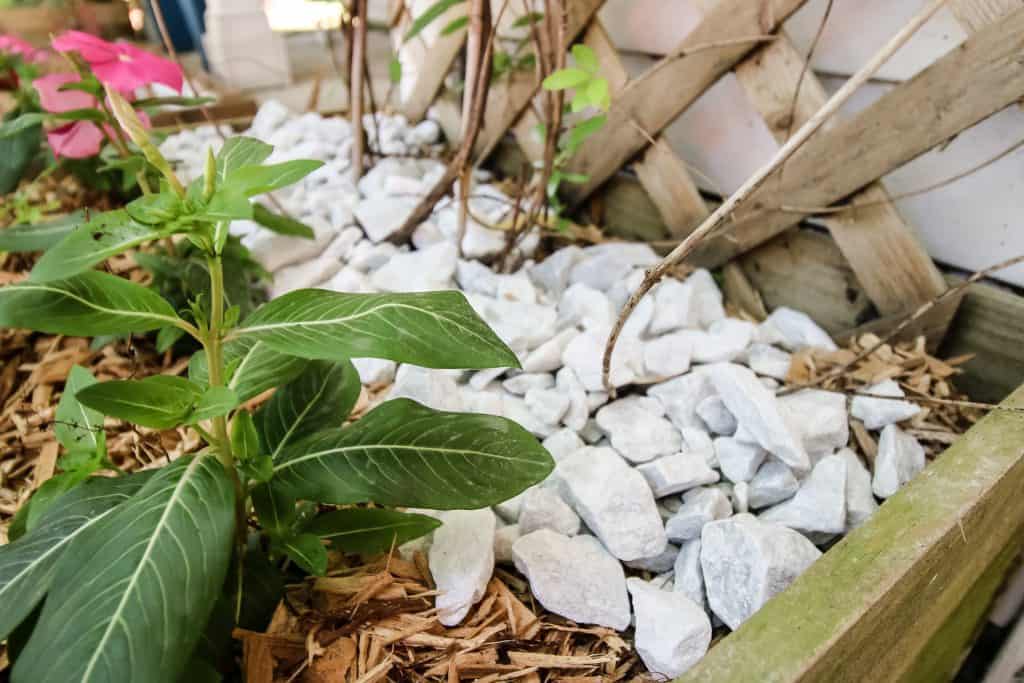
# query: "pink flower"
{"points": [[16, 46], [75, 140], [52, 98], [120, 65]]}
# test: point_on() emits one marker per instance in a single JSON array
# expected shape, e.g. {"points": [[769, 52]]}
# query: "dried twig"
{"points": [[718, 217], [355, 91], [479, 30]]}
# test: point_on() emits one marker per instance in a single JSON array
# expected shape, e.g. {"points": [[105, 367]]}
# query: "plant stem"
{"points": [[215, 356]]}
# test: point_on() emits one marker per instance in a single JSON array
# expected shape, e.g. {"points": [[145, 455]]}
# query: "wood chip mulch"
{"points": [[920, 375], [377, 622]]}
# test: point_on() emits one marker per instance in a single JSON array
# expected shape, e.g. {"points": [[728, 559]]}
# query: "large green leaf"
{"points": [[89, 304], [16, 153], [254, 365], [27, 565], [106, 235], [158, 402], [238, 152], [41, 236], [305, 550], [133, 592], [77, 427], [432, 329], [403, 453], [254, 180], [321, 397], [283, 225], [370, 530]]}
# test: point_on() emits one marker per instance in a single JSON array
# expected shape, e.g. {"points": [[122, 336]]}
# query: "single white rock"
{"points": [[745, 562], [900, 458], [737, 459], [517, 410], [697, 439], [509, 509], [382, 216], [475, 277], [677, 473], [368, 257], [637, 429], [700, 506], [275, 250], [596, 399], [577, 416], [666, 356], [418, 271], [462, 561], [590, 432], [821, 418], [860, 500], [767, 360], [660, 563], [681, 396], [433, 388], [303, 275], [820, 504], [522, 383], [773, 483], [794, 330], [758, 411], [548, 356], [375, 370], [716, 416], [522, 326], [480, 379], [552, 274], [603, 265], [426, 235], [585, 306], [706, 297], [689, 578], [504, 538], [672, 632], [725, 340], [563, 443], [876, 413], [543, 508], [516, 287], [674, 307], [548, 405], [584, 354], [574, 577], [350, 280], [614, 501]]}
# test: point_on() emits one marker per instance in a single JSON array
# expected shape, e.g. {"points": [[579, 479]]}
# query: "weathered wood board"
{"points": [[872, 606]]}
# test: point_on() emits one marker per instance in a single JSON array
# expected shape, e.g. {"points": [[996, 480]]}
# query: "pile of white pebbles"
{"points": [[698, 476]]}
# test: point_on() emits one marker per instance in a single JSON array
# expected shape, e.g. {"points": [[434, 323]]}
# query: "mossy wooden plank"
{"points": [[870, 607]]}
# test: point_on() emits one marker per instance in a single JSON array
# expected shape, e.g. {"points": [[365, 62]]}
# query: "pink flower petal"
{"points": [[53, 99], [75, 140], [153, 68], [16, 46], [91, 48]]}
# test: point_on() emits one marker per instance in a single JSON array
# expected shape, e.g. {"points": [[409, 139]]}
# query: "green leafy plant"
{"points": [[137, 569], [590, 93]]}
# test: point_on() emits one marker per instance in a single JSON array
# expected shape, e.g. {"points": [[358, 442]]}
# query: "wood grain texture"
{"points": [[885, 253], [979, 78], [974, 14], [510, 96], [433, 60], [871, 606], [654, 99]]}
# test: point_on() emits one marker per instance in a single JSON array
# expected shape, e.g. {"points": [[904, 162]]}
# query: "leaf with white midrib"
{"points": [[403, 453], [106, 235], [430, 329], [370, 530], [133, 592], [321, 397], [257, 367], [27, 565], [88, 304]]}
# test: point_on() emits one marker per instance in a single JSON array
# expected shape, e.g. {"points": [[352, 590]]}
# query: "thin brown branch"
{"points": [[713, 222], [355, 91], [805, 68]]}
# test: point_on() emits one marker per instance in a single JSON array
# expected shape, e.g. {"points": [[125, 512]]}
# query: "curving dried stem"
{"points": [[715, 221], [479, 30], [355, 91]]}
